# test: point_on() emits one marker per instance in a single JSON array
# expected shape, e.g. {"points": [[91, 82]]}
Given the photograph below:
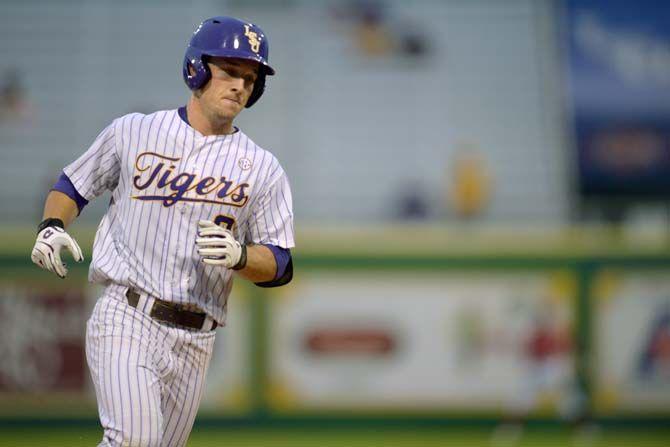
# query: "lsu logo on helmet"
{"points": [[254, 42]]}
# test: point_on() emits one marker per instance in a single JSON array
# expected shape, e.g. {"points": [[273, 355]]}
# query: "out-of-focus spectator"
{"points": [[14, 104], [379, 33], [412, 202], [469, 184], [413, 41], [373, 38]]}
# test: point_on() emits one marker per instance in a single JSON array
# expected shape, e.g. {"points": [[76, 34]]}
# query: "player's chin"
{"points": [[229, 104], [226, 113]]}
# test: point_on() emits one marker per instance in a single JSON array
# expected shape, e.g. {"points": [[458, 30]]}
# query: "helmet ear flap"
{"points": [[259, 88], [195, 70]]}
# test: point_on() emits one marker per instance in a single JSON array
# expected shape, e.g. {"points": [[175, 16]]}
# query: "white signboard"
{"points": [[632, 331], [384, 341], [228, 379]]}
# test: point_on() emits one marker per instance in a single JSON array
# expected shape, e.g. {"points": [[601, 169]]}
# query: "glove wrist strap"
{"points": [[243, 259], [50, 222]]}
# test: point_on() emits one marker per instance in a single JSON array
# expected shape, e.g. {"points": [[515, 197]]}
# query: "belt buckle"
{"points": [[160, 311], [166, 312]]}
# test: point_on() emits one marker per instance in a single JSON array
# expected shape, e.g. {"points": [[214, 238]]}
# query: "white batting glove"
{"points": [[46, 252], [218, 246]]}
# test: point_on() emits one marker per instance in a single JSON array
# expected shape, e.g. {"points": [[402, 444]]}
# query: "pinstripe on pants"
{"points": [[148, 376]]}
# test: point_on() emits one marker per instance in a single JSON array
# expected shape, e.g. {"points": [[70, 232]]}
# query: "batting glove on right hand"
{"points": [[46, 252], [218, 246]]}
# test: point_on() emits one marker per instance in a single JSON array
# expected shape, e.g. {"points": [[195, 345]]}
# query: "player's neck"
{"points": [[200, 122]]}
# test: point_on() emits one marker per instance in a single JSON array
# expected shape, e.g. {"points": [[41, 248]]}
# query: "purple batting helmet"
{"points": [[226, 37]]}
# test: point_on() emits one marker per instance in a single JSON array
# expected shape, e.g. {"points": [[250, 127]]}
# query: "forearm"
{"points": [[60, 206], [261, 264]]}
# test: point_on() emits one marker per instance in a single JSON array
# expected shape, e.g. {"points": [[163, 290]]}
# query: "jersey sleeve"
{"points": [[272, 218], [98, 168]]}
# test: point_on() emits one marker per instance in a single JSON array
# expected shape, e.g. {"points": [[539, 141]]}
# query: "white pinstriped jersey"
{"points": [[164, 177]]}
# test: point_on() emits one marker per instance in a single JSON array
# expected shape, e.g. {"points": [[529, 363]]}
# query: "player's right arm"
{"points": [[60, 206], [59, 211], [87, 177]]}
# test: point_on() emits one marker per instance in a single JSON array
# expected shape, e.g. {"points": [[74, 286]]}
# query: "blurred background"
{"points": [[482, 205]]}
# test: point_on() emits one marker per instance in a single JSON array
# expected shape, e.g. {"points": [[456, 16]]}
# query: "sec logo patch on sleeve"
{"points": [[244, 164]]}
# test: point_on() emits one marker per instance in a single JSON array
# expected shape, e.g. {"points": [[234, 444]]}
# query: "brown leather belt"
{"points": [[171, 313]]}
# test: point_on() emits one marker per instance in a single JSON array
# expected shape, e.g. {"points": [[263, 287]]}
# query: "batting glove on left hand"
{"points": [[218, 246], [50, 242]]}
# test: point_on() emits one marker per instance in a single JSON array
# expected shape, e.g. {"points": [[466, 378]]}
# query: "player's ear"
{"points": [[205, 64]]}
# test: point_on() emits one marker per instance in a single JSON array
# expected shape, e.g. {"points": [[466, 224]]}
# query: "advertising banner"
{"points": [[618, 73], [228, 385], [632, 333], [42, 349], [497, 342], [43, 370]]}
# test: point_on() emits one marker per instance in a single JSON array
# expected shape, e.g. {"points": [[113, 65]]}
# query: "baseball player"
{"points": [[194, 202]]}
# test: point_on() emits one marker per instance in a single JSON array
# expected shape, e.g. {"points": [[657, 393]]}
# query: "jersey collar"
{"points": [[184, 117]]}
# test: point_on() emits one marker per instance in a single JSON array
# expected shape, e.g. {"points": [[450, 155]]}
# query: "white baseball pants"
{"points": [[148, 377]]}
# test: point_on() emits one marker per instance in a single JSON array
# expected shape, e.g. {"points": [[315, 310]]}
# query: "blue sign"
{"points": [[618, 66]]}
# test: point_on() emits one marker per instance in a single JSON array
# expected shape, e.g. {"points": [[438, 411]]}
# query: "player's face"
{"points": [[232, 82]]}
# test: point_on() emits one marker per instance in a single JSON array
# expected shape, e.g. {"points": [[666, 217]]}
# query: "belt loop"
{"points": [[145, 303], [207, 325], [149, 304]]}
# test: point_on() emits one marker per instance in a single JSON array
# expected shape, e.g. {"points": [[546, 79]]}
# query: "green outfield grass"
{"points": [[386, 437]]}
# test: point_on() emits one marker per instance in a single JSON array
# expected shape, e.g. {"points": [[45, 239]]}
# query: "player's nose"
{"points": [[237, 84]]}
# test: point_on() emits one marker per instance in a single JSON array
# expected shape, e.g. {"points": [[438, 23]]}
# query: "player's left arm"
{"points": [[265, 265], [261, 265], [266, 260]]}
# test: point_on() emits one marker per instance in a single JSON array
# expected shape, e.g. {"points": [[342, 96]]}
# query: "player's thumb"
{"points": [[206, 224], [72, 245], [58, 265]]}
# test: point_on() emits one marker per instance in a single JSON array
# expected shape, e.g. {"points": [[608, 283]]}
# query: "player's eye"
{"points": [[224, 71], [229, 71]]}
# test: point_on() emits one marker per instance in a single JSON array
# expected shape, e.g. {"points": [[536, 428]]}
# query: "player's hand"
{"points": [[46, 252], [218, 246]]}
